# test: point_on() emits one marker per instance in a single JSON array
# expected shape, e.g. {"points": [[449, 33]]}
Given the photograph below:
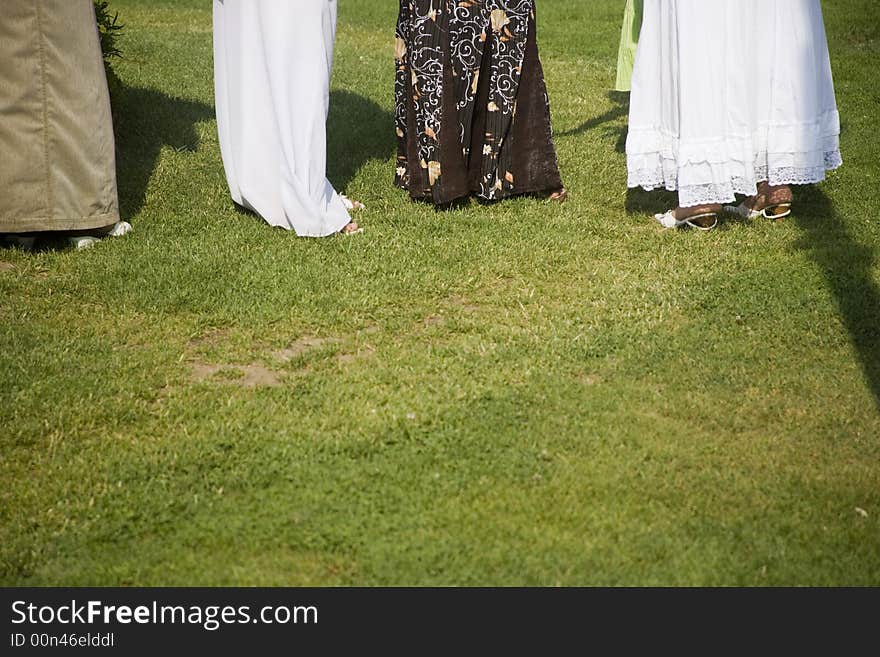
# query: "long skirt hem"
{"points": [[472, 110], [713, 112]]}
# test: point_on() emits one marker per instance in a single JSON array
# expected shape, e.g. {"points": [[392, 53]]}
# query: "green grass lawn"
{"points": [[515, 394]]}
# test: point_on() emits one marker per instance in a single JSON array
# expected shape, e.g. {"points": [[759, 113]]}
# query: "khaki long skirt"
{"points": [[57, 159]]}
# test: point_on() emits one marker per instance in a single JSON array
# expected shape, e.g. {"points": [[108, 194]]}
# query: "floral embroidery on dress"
{"points": [[476, 29]]}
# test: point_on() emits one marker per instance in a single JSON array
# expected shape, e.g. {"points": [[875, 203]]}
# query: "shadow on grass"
{"points": [[620, 99], [358, 131], [638, 201], [848, 267], [145, 121], [846, 264]]}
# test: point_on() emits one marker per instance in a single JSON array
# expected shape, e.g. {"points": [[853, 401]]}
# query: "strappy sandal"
{"points": [[772, 209], [351, 204], [668, 220], [774, 212]]}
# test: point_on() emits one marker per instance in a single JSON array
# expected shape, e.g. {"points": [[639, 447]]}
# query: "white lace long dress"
{"points": [[728, 93], [272, 63]]}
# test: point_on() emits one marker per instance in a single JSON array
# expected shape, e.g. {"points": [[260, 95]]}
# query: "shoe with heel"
{"points": [[764, 205], [773, 212], [704, 221]]}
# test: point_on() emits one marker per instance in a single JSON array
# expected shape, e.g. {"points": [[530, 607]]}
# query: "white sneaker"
{"points": [[119, 229], [84, 242]]}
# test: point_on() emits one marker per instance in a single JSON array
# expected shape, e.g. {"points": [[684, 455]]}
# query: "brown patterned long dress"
{"points": [[472, 113]]}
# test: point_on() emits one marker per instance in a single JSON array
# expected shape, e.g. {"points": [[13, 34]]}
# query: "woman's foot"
{"points": [[351, 204], [560, 195], [701, 217], [771, 201], [85, 239]]}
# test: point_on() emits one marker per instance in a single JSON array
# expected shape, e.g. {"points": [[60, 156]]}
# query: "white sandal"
{"points": [[350, 204], [668, 220], [782, 210]]}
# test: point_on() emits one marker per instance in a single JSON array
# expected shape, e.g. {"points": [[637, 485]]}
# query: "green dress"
{"points": [[629, 42]]}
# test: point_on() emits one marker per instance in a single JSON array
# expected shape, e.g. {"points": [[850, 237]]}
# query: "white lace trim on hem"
{"points": [[664, 175]]}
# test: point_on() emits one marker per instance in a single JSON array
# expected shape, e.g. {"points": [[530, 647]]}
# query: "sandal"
{"points": [[771, 209], [351, 204], [775, 212], [668, 220]]}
